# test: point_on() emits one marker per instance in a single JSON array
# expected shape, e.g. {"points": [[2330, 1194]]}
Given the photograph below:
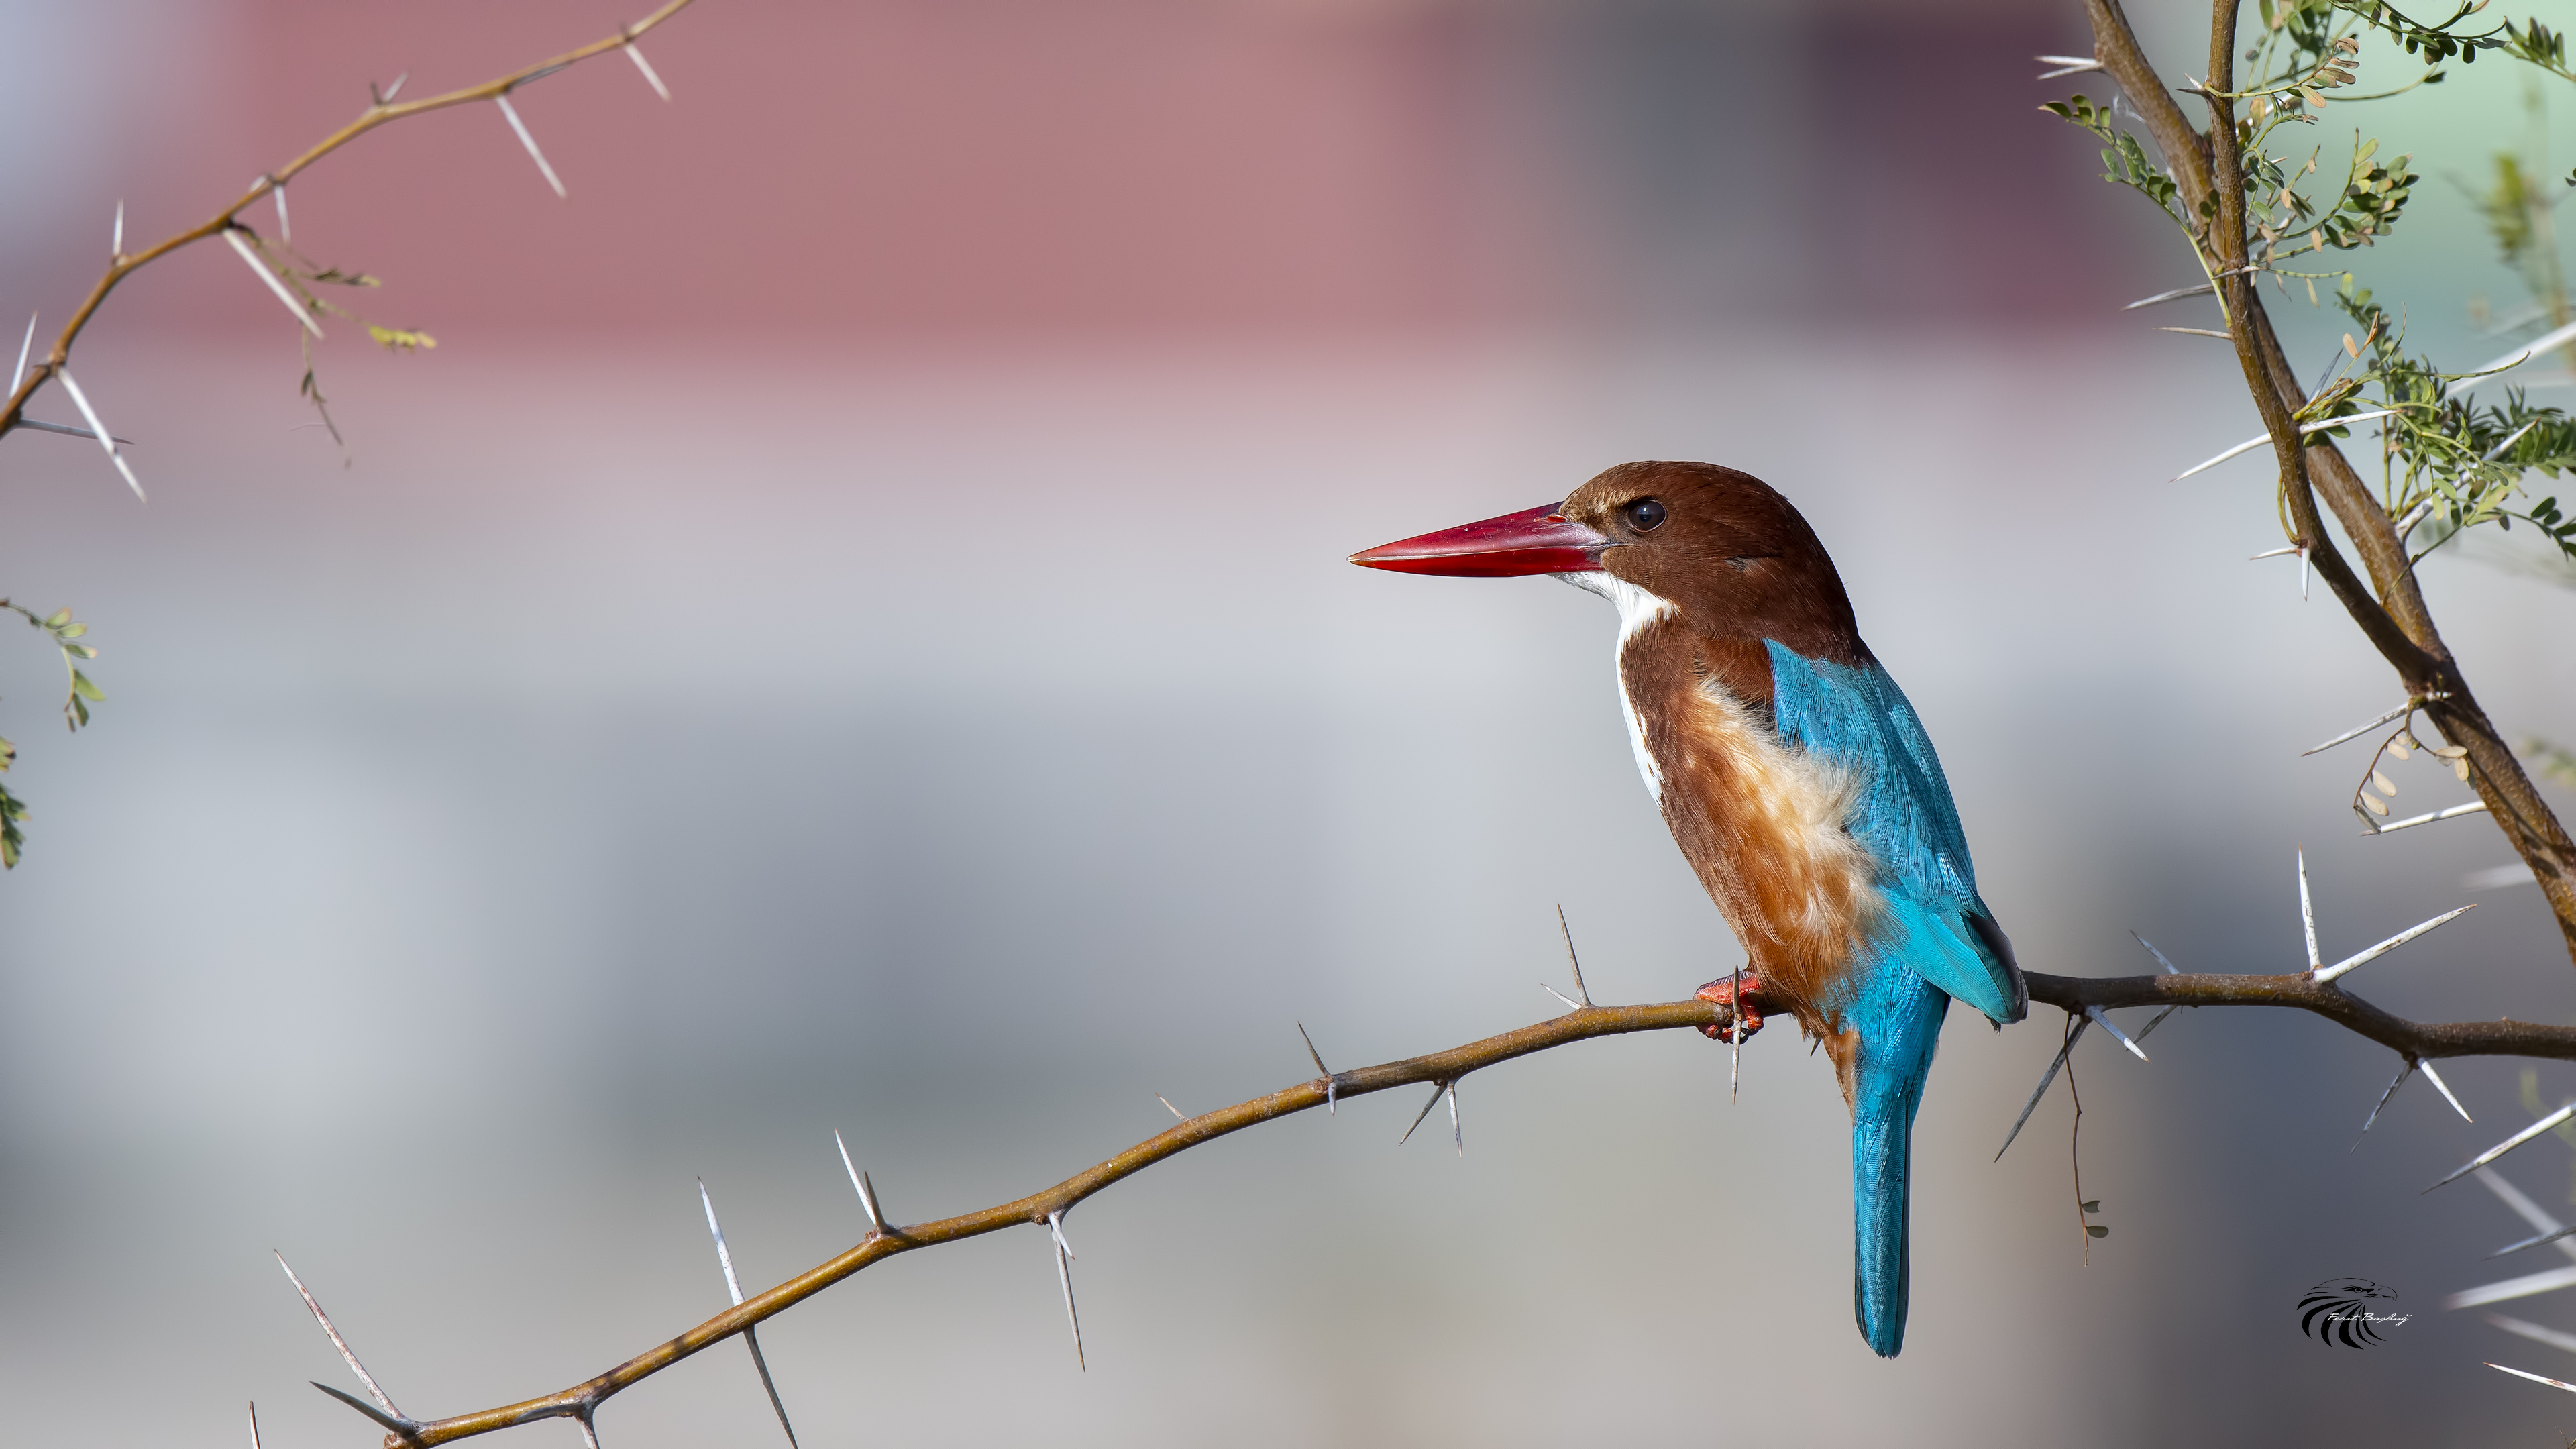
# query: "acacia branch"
{"points": [[1443, 1070], [2389, 607], [123, 265]]}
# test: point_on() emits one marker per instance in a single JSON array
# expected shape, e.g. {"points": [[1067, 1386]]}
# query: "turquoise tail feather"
{"points": [[1900, 1026]]}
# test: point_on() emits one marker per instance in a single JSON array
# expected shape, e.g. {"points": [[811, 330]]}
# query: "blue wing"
{"points": [[1856, 717]]}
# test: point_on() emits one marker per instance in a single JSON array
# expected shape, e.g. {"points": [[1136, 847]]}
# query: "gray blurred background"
{"points": [[849, 631]]}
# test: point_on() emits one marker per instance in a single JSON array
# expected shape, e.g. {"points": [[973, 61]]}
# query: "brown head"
{"points": [[1722, 546]]}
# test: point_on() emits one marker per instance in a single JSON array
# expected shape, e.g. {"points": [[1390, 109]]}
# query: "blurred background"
{"points": [[849, 630]]}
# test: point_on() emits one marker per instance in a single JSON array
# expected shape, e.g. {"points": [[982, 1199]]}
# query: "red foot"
{"points": [[1747, 1003]]}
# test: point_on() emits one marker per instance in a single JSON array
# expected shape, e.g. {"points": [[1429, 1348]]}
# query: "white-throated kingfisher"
{"points": [[1797, 782]]}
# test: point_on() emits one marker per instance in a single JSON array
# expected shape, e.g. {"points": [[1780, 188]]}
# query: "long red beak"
{"points": [[1533, 541]]}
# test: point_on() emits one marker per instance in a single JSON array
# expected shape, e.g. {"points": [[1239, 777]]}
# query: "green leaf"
{"points": [[60, 618], [86, 690], [2096, 1230], [2094, 1206]]}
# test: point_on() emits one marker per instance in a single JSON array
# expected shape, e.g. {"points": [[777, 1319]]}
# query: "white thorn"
{"points": [[2364, 958], [2307, 912], [865, 1189], [2510, 439], [2398, 1081], [1168, 1107], [1332, 1085], [2533, 1241], [2510, 1143], [276, 284], [751, 1340], [285, 224], [589, 1435], [2271, 553], [2135, 1050], [2456, 811], [1571, 959], [2515, 358], [2548, 1280], [646, 66], [2250, 444], [20, 375], [2303, 573], [1570, 1003], [99, 431], [2443, 1087], [254, 1424], [2535, 1378], [2523, 1207], [2414, 516], [1457, 1132], [2196, 290], [511, 113], [338, 1342], [2534, 1332], [2497, 878], [116, 238], [716, 1231], [1064, 1275], [2041, 1090], [2170, 968], [2358, 731], [394, 90], [1437, 1088], [2068, 65]]}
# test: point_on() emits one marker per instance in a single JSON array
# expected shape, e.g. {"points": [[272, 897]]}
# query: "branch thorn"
{"points": [[2307, 912], [646, 66], [866, 1190], [750, 1336], [1437, 1088], [269, 275], [511, 114], [2097, 1015], [2430, 1075], [99, 431], [1167, 1106], [342, 1344], [2073, 1034], [1332, 1084], [2510, 1143], [2365, 957], [1576, 961], [1064, 1276]]}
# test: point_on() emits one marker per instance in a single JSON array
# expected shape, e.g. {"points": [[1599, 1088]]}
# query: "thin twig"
{"points": [[382, 112]]}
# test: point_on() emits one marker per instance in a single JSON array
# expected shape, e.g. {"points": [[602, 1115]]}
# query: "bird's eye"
{"points": [[1645, 515]]}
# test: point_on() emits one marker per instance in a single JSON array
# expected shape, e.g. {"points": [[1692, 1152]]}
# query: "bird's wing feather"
{"points": [[1855, 717]]}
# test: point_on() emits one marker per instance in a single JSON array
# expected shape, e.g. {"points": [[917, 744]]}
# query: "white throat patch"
{"points": [[1637, 608]]}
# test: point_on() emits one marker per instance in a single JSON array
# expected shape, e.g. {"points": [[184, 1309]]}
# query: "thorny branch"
{"points": [[1045, 1208], [381, 113], [2389, 605]]}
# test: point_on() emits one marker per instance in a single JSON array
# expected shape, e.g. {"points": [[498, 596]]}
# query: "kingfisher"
{"points": [[1798, 783]]}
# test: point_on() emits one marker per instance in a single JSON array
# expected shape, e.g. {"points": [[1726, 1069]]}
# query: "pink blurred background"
{"points": [[848, 630]]}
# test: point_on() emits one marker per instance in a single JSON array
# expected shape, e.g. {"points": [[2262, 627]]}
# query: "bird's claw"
{"points": [[1741, 991]]}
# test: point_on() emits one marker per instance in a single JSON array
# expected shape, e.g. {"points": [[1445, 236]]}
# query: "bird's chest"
{"points": [[1762, 824]]}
